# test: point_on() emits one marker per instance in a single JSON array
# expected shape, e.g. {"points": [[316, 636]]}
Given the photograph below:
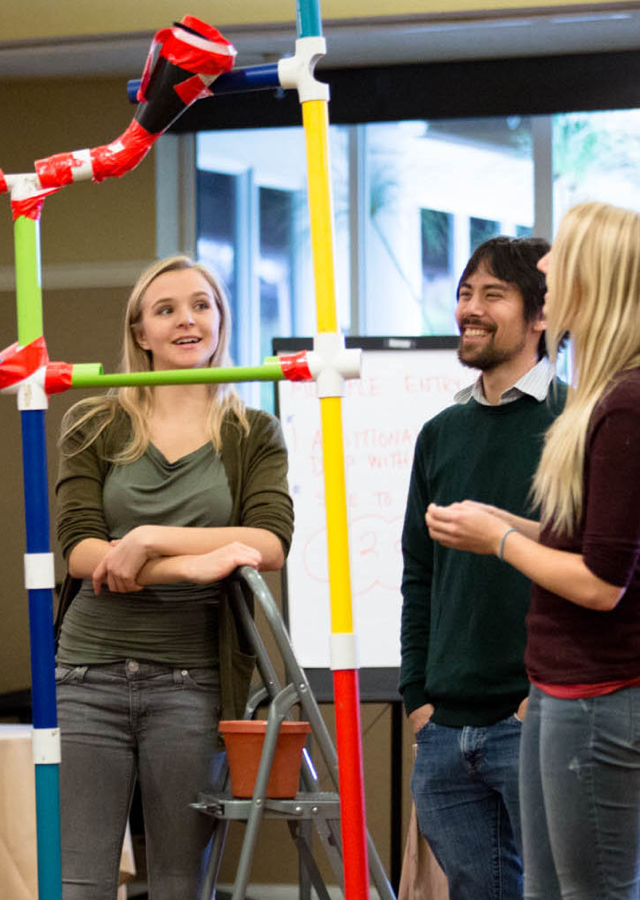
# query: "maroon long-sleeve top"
{"points": [[566, 643]]}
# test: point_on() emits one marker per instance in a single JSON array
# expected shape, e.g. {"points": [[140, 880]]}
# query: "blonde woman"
{"points": [[161, 493], [580, 751]]}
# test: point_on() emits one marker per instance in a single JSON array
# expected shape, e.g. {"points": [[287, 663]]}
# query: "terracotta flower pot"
{"points": [[244, 740]]}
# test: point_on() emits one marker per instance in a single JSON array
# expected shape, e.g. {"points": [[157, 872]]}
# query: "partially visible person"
{"points": [[580, 758], [463, 679], [161, 493]]}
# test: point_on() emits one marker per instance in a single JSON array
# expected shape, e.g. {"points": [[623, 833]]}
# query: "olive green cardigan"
{"points": [[256, 470]]}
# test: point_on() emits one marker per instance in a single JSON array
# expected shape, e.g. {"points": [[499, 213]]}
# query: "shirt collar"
{"points": [[535, 383]]}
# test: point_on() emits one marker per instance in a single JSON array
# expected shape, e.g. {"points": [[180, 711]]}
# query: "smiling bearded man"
{"points": [[462, 676]]}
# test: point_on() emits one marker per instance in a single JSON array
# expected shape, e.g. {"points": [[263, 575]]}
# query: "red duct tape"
{"points": [[17, 363], [57, 171], [192, 89], [203, 54], [149, 63], [295, 366], [122, 155], [31, 207], [58, 378]]}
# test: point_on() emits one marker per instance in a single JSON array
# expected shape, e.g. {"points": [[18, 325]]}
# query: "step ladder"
{"points": [[311, 810]]}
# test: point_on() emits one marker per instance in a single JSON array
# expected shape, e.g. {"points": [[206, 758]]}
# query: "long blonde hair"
{"points": [[137, 401], [594, 293]]}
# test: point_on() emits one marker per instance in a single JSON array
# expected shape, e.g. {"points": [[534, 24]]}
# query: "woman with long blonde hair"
{"points": [[580, 751], [161, 493]]}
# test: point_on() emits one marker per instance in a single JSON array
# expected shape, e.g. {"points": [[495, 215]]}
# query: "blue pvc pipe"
{"points": [[36, 489], [43, 684], [36, 504], [241, 80], [43, 687]]}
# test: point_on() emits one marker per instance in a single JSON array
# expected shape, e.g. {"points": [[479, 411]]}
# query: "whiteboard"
{"points": [[405, 382]]}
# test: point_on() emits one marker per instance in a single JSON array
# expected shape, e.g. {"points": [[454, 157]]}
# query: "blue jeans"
{"points": [[128, 721], [465, 788], [580, 794]]}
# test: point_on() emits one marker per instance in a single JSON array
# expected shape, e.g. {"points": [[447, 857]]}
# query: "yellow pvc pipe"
{"points": [[335, 494], [316, 128]]}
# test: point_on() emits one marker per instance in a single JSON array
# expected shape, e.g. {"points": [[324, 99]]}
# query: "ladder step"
{"points": [[305, 805]]}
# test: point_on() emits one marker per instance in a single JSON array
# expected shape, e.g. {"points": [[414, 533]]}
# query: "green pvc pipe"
{"points": [[28, 288], [308, 20], [89, 375]]}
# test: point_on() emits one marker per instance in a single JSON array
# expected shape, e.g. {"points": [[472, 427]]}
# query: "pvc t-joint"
{"points": [[298, 71]]}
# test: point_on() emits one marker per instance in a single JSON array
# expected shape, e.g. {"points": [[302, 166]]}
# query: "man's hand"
{"points": [[420, 716], [522, 710]]}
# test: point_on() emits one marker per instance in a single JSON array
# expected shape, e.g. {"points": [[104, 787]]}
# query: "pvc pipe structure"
{"points": [[181, 74], [314, 99]]}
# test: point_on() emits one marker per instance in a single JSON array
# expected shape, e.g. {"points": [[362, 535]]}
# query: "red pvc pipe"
{"points": [[350, 775]]}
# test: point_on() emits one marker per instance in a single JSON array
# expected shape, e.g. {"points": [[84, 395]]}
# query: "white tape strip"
{"points": [[82, 166], [46, 746], [344, 651], [39, 572]]}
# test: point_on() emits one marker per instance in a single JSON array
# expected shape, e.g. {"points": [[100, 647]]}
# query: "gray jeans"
{"points": [[580, 794], [125, 722]]}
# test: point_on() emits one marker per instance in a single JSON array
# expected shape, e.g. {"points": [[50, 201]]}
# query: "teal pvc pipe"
{"points": [[48, 832], [308, 19]]}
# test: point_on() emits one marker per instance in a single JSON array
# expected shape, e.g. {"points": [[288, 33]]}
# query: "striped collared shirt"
{"points": [[535, 382]]}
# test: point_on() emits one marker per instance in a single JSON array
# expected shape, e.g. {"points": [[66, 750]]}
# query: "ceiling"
{"points": [[355, 42]]}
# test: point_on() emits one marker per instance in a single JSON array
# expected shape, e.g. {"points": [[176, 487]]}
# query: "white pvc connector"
{"points": [[331, 364], [344, 651], [30, 391], [39, 572], [45, 743], [23, 185], [298, 71]]}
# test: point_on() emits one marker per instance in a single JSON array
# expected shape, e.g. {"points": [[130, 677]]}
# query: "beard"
{"points": [[489, 356]]}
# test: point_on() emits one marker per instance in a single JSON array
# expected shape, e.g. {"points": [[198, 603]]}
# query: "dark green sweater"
{"points": [[463, 615]]}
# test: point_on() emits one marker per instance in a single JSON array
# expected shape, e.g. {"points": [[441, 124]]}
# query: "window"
{"points": [[412, 199], [595, 157]]}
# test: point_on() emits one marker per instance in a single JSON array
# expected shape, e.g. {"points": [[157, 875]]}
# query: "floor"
{"points": [[257, 892]]}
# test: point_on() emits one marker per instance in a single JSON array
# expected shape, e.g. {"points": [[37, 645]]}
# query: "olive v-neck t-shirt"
{"points": [[173, 624]]}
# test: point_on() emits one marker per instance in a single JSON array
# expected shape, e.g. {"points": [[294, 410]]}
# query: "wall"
{"points": [[33, 19], [112, 224]]}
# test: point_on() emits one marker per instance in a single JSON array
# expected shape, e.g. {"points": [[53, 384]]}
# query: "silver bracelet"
{"points": [[504, 537]]}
